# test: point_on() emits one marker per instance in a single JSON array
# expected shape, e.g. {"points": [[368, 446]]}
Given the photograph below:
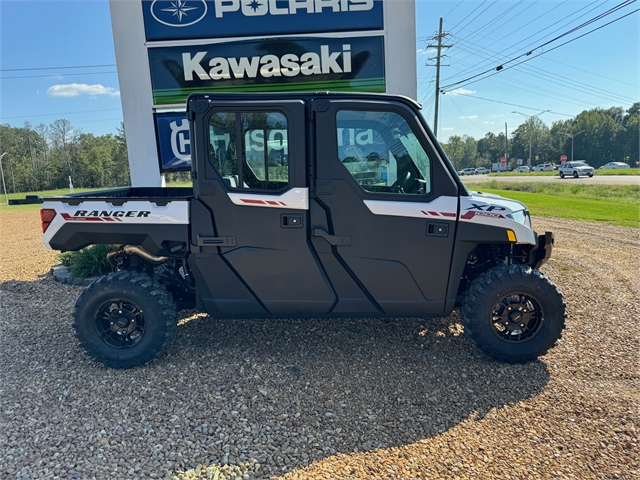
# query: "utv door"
{"points": [[387, 204], [251, 217]]}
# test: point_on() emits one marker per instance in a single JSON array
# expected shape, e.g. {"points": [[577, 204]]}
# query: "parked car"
{"points": [[482, 170], [467, 171], [522, 169], [543, 167], [614, 166], [575, 169]]}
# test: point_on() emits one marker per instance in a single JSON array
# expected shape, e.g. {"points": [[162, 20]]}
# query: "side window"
{"points": [[250, 150], [382, 153]]}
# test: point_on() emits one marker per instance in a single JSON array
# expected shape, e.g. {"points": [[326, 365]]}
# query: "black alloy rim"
{"points": [[119, 324], [516, 318]]}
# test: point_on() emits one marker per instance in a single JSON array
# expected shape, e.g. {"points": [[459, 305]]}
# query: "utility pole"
{"points": [[506, 146], [438, 57], [6, 197], [573, 135], [530, 120]]}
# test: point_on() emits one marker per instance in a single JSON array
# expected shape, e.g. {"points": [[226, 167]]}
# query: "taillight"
{"points": [[46, 217]]}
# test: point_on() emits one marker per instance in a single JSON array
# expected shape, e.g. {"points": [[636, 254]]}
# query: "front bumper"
{"points": [[542, 251]]}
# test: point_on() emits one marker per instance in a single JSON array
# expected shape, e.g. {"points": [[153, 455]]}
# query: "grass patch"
{"points": [[523, 174], [44, 193], [180, 184], [564, 268], [613, 204], [629, 171], [88, 262]]}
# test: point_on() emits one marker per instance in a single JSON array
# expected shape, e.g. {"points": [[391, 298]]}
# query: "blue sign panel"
{"points": [[172, 133], [288, 64], [192, 19]]}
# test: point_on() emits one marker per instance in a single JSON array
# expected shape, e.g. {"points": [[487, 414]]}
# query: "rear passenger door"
{"points": [[252, 241], [388, 204]]}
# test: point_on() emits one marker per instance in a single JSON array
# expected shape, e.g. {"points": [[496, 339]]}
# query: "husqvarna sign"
{"points": [[191, 19], [168, 49]]}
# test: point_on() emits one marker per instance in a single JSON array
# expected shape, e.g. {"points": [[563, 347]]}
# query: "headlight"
{"points": [[522, 217]]}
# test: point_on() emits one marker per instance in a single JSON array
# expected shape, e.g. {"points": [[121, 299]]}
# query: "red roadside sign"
{"points": [[503, 160], [563, 158]]}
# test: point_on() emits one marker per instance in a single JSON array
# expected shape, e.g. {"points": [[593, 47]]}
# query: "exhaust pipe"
{"points": [[135, 250]]}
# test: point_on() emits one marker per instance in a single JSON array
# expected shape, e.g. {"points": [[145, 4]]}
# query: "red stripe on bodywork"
{"points": [[434, 213], [249, 200], [447, 214]]}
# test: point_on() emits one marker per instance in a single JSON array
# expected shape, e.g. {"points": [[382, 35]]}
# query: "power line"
{"points": [[56, 68], [457, 5], [454, 27], [474, 51], [550, 50], [521, 85], [483, 27], [512, 46], [63, 113], [501, 67], [580, 86], [469, 22], [59, 75], [467, 118], [511, 104]]}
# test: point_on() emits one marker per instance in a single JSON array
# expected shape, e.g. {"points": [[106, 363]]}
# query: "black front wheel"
{"points": [[513, 313], [125, 319]]}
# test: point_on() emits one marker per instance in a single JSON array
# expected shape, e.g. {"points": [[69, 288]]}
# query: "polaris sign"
{"points": [[336, 64], [192, 19]]}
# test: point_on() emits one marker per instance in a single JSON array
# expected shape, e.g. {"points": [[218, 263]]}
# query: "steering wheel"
{"points": [[401, 183]]}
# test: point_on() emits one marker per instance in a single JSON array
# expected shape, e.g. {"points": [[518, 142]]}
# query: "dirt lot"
{"points": [[326, 399]]}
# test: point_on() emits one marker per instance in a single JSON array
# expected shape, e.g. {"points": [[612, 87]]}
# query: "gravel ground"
{"points": [[308, 399]]}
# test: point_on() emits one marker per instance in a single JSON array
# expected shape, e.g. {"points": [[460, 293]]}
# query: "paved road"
{"points": [[603, 180]]}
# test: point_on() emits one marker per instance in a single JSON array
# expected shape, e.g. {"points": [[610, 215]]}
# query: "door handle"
{"points": [[437, 229], [337, 240], [205, 241]]}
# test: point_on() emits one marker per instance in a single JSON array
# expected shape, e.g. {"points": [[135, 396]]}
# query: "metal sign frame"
{"points": [[134, 75]]}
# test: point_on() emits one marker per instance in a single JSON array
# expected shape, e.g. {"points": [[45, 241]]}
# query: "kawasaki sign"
{"points": [[337, 64], [192, 19]]}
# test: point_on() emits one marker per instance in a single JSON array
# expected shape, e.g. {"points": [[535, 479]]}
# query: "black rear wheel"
{"points": [[125, 319], [513, 313]]}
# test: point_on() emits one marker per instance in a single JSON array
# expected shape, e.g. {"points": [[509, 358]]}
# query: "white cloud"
{"points": [[469, 117], [461, 91], [488, 123], [447, 129], [75, 89]]}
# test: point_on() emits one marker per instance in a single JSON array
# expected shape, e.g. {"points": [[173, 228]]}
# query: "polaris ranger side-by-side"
{"points": [[308, 205]]}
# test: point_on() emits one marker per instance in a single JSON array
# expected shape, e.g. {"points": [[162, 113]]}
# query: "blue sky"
{"points": [[598, 70]]}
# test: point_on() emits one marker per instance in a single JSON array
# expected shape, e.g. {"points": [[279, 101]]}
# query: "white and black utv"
{"points": [[309, 205]]}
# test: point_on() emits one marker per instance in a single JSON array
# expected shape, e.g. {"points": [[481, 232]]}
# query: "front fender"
{"points": [[542, 251]]}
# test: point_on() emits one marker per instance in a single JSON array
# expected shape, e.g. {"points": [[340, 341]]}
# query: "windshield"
{"points": [[580, 164]]}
